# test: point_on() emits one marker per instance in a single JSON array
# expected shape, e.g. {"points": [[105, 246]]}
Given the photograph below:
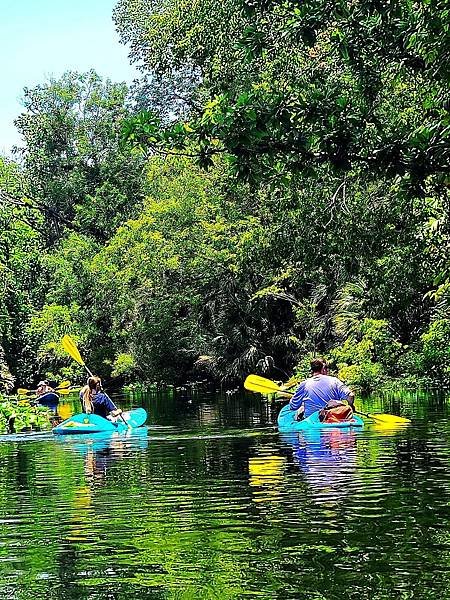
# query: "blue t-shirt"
{"points": [[102, 404], [316, 391]]}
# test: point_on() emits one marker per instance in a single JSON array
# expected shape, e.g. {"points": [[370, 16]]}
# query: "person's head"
{"points": [[42, 386], [94, 383], [319, 366]]}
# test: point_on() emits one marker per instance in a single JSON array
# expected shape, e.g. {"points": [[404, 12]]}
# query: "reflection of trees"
{"points": [[229, 517], [45, 504], [36, 484]]}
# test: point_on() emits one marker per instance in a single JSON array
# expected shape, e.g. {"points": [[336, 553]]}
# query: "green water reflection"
{"points": [[211, 502]]}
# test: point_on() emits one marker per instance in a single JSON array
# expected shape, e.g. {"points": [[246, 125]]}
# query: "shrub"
{"points": [[124, 366], [436, 350], [365, 376], [21, 415], [364, 359]]}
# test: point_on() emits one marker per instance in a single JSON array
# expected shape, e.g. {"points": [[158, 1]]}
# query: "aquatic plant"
{"points": [[22, 415]]}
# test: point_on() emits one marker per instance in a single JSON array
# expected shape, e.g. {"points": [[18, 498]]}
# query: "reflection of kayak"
{"points": [[89, 423], [287, 422], [136, 439], [327, 458], [48, 399]]}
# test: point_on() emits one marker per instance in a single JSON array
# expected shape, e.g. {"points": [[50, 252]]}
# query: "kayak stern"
{"points": [[287, 422]]}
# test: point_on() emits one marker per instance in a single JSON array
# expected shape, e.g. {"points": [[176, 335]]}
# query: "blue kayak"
{"points": [[48, 399], [90, 423], [287, 422]]}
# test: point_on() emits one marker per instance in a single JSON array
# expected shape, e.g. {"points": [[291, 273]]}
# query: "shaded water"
{"points": [[211, 502]]}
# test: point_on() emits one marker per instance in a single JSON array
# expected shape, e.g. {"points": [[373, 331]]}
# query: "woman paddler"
{"points": [[94, 400]]}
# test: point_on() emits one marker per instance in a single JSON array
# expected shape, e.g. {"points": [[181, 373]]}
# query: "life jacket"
{"points": [[335, 411]]}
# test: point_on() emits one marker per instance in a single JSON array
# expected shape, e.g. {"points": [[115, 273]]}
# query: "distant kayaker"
{"points": [[322, 392], [43, 387], [94, 400]]}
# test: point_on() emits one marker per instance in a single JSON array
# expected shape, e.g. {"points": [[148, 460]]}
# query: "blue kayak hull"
{"points": [[287, 422], [89, 423], [48, 399]]}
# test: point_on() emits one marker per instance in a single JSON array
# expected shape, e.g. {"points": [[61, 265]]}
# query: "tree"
{"points": [[338, 118], [20, 265], [80, 177], [288, 88]]}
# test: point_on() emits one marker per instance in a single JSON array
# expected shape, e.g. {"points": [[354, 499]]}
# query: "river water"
{"points": [[210, 501]]}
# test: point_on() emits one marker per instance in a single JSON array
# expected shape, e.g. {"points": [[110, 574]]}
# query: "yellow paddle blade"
{"points": [[64, 384], [63, 392], [255, 383], [70, 347], [284, 394], [388, 418], [291, 383]]}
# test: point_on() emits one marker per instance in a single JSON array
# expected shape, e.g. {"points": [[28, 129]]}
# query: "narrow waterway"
{"points": [[210, 501]]}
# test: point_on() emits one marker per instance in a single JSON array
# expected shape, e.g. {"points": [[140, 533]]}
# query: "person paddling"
{"points": [[324, 393], [94, 400], [43, 388]]}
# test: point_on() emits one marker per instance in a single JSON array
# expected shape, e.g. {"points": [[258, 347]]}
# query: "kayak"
{"points": [[90, 423], [287, 422], [48, 399]]}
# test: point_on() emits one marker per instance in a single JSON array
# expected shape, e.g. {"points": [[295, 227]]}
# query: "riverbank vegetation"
{"points": [[275, 186], [22, 415]]}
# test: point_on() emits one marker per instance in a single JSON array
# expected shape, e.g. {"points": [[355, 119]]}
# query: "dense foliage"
{"points": [[275, 187], [21, 415]]}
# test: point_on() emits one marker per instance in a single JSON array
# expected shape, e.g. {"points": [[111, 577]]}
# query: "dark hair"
{"points": [[317, 364]]}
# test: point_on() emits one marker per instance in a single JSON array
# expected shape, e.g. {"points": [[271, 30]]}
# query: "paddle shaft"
{"points": [[62, 387], [287, 394]]}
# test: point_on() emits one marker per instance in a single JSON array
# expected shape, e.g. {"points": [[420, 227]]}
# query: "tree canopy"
{"points": [[275, 186]]}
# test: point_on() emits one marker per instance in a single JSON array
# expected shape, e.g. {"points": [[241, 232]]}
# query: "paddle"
{"points": [[61, 388], [71, 348], [63, 384], [61, 392], [255, 383]]}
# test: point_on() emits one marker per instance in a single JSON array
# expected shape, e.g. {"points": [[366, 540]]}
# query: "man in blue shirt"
{"points": [[320, 390]]}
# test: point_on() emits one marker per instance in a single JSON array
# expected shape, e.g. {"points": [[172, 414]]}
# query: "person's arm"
{"points": [[345, 393], [351, 399], [298, 398], [102, 398]]}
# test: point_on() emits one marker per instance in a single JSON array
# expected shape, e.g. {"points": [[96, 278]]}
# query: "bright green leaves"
{"points": [[436, 350], [16, 416], [71, 128], [143, 128], [368, 356], [341, 60]]}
